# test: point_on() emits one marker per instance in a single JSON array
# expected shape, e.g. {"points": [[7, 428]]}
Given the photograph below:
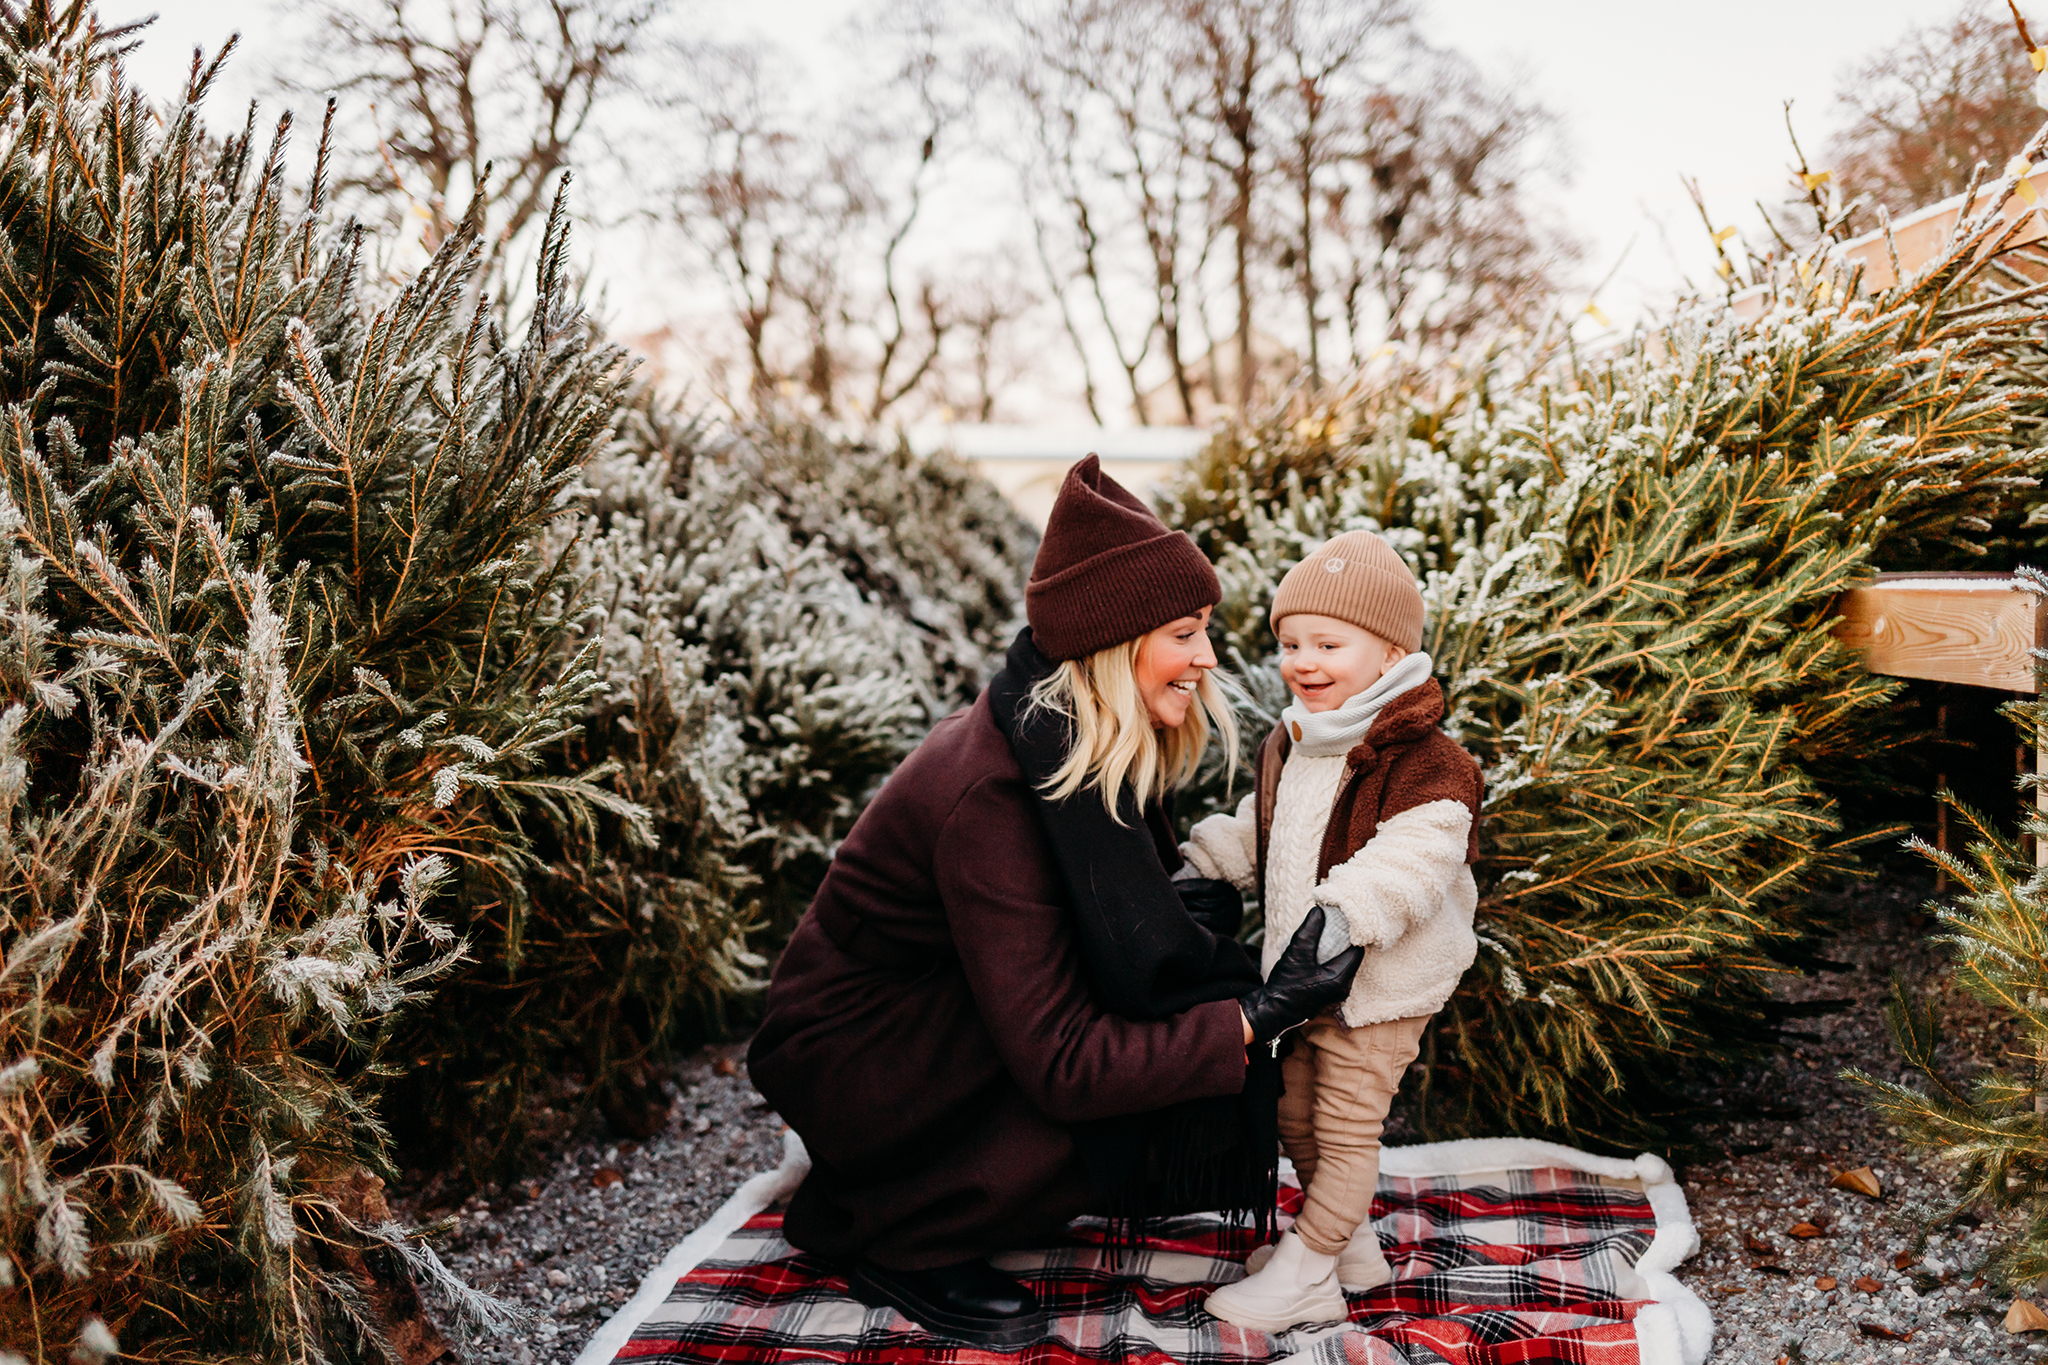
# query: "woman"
{"points": [[998, 1014]]}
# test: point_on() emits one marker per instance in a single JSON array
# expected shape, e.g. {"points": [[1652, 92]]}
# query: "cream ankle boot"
{"points": [[1296, 1286], [1361, 1266]]}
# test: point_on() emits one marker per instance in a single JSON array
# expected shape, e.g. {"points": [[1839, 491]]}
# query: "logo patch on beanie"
{"points": [[1333, 565]]}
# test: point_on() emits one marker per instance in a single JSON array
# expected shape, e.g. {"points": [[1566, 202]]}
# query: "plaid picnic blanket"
{"points": [[1505, 1252]]}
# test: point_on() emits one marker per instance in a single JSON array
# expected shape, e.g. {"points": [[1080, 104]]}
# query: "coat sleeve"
{"points": [[1403, 875], [1010, 924], [1227, 846]]}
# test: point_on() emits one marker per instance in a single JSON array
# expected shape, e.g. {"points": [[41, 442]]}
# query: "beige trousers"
{"points": [[1340, 1082]]}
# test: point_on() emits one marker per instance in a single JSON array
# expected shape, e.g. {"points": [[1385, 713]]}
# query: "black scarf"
{"points": [[1146, 958]]}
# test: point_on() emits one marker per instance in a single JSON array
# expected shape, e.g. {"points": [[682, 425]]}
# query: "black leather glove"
{"points": [[1212, 903], [1299, 987]]}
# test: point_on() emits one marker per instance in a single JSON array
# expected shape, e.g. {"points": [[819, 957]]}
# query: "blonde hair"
{"points": [[1115, 742]]}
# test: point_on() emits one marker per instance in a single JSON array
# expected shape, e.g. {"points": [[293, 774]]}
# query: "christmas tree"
{"points": [[285, 669], [1630, 563], [778, 619], [1991, 1130]]}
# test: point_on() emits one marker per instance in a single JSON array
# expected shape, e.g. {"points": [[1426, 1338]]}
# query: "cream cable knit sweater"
{"points": [[1408, 894]]}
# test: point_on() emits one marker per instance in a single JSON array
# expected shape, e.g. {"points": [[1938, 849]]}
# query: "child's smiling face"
{"points": [[1326, 662]]}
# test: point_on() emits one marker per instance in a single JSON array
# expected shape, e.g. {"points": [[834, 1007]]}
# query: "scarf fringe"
{"points": [[1170, 1164]]}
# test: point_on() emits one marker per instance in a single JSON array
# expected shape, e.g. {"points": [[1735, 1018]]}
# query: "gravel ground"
{"points": [[1861, 1281], [571, 1243], [1864, 1284]]}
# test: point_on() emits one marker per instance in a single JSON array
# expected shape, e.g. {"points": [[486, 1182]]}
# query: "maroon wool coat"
{"points": [[931, 1036]]}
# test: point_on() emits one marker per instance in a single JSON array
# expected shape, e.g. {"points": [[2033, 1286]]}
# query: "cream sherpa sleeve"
{"points": [[1402, 875], [1226, 846]]}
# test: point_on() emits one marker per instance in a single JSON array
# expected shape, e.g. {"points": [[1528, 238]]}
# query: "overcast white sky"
{"points": [[1649, 90]]}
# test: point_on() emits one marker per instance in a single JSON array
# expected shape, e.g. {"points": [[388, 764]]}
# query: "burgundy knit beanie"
{"points": [[1108, 570]]}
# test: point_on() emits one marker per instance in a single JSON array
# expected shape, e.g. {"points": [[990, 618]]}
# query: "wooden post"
{"points": [[1941, 806], [2019, 770]]}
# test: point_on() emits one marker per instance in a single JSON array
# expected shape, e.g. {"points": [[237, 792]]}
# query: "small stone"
{"points": [[558, 1278]]}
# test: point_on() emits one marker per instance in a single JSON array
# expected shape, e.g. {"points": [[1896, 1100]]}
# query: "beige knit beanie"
{"points": [[1356, 577]]}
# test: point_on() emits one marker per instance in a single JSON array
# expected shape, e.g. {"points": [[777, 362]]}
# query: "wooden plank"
{"points": [[1979, 629], [1919, 238]]}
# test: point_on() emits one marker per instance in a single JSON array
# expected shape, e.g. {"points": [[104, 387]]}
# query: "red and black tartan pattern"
{"points": [[1532, 1267]]}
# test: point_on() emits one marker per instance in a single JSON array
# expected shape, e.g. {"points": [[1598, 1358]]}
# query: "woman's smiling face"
{"points": [[1170, 664]]}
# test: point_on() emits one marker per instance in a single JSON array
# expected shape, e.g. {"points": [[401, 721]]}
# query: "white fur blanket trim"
{"points": [[759, 1193]]}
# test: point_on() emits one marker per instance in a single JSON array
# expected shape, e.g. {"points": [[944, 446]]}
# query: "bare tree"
{"points": [[1925, 110], [1229, 42], [1324, 49], [938, 96], [752, 201], [1117, 167], [814, 217], [518, 86], [987, 305], [1339, 159], [1428, 232]]}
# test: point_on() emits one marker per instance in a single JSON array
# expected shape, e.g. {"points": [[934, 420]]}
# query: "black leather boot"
{"points": [[972, 1302]]}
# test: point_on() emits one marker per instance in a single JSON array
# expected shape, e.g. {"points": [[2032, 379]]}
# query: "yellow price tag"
{"points": [[1805, 271], [2021, 167], [1725, 269], [1593, 312], [1824, 291], [1815, 179], [1723, 235], [2039, 57]]}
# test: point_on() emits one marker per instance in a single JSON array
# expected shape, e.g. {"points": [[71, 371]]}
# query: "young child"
{"points": [[1363, 806]]}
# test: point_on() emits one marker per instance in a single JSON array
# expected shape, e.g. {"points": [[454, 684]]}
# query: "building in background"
{"points": [[1028, 462]]}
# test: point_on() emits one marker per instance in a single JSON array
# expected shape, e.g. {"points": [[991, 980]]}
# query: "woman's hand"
{"points": [[1300, 987]]}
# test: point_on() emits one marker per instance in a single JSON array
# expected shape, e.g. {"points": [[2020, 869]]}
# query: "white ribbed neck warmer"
{"points": [[1322, 734]]}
